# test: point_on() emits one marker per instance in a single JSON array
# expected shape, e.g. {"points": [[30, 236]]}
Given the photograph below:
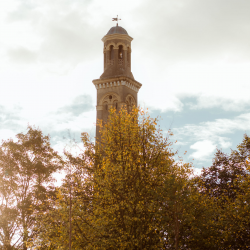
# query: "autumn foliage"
{"points": [[129, 190]]}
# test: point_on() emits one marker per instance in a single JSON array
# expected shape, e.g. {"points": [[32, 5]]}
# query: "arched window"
{"points": [[129, 57], [130, 102], [128, 106], [105, 111], [120, 52], [111, 51], [115, 104]]}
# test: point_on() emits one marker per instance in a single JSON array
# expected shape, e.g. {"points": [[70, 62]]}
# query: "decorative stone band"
{"points": [[115, 82], [117, 36], [100, 107]]}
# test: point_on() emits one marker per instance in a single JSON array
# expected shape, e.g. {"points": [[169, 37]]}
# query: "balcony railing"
{"points": [[120, 62], [110, 62]]}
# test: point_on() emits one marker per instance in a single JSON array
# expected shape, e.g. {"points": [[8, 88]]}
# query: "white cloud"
{"points": [[219, 85], [22, 55], [199, 56], [51, 51], [213, 129], [197, 171], [6, 134], [197, 29], [209, 135], [224, 142], [204, 149]]}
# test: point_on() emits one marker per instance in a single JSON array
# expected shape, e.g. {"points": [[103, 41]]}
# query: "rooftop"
{"points": [[117, 30]]}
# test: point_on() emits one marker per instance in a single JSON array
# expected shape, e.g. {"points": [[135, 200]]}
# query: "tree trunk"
{"points": [[177, 227]]}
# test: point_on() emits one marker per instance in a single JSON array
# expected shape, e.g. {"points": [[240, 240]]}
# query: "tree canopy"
{"points": [[129, 190], [26, 168]]}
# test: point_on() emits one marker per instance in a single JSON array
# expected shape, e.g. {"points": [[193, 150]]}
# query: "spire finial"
{"points": [[116, 19]]}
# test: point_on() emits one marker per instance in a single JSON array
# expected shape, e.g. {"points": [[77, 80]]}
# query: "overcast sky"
{"points": [[191, 56]]}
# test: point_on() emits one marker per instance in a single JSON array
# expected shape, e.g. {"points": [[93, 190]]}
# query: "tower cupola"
{"points": [[117, 53]]}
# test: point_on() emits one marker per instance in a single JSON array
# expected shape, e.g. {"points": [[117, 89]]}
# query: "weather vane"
{"points": [[116, 19]]}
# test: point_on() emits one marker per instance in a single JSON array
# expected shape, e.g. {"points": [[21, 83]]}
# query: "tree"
{"points": [[26, 169], [226, 181], [222, 178], [128, 192], [118, 199], [53, 223], [132, 164]]}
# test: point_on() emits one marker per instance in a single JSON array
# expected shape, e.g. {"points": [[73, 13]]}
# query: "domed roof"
{"points": [[117, 30]]}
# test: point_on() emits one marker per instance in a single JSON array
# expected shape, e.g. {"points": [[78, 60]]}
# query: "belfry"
{"points": [[116, 87]]}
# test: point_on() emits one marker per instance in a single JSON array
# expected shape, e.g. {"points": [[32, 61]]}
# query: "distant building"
{"points": [[116, 86]]}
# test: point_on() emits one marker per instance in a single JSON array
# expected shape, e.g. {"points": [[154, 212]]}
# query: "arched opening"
{"points": [[109, 100], [129, 57], [130, 102], [111, 52], [128, 106], [120, 55], [115, 104], [120, 52], [105, 111], [111, 55]]}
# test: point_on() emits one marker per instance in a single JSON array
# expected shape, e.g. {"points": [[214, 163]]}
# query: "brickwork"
{"points": [[116, 87]]}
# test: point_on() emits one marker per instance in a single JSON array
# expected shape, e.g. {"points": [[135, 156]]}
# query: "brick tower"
{"points": [[116, 87]]}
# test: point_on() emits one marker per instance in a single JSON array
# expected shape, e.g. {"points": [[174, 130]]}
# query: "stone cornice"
{"points": [[117, 81], [117, 36]]}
